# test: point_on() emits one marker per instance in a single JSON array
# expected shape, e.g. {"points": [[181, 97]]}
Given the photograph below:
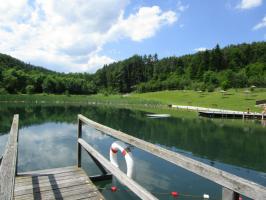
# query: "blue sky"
{"points": [[64, 36]]}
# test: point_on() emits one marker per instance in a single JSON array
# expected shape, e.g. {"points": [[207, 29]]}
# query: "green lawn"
{"points": [[233, 99]]}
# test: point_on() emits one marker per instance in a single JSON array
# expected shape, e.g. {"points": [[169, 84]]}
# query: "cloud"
{"points": [[95, 62], [70, 35], [248, 4], [200, 49], [142, 25], [260, 25], [181, 7]]}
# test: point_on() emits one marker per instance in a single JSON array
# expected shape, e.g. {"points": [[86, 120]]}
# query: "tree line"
{"points": [[235, 66]]}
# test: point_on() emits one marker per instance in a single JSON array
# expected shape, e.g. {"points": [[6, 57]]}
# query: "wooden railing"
{"points": [[8, 167], [103, 163], [232, 185]]}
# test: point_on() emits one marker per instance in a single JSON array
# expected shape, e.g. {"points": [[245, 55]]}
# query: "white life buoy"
{"points": [[117, 145]]}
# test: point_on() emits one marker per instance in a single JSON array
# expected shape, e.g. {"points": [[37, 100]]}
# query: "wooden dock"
{"points": [[61, 183], [231, 114], [73, 183]]}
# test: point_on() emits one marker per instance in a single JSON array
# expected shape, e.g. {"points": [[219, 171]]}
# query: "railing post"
{"points": [[228, 194], [79, 136], [16, 170]]}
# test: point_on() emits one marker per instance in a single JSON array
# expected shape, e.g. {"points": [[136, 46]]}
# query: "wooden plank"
{"points": [[49, 171], [61, 193], [229, 194], [45, 179], [78, 145], [62, 189], [49, 187], [225, 179], [53, 184], [65, 183], [103, 177], [21, 179], [121, 176], [9, 162]]}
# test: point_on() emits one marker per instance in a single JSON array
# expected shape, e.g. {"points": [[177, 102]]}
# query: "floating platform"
{"points": [[158, 115], [233, 115], [60, 183]]}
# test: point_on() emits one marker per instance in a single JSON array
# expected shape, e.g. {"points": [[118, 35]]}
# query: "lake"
{"points": [[48, 139]]}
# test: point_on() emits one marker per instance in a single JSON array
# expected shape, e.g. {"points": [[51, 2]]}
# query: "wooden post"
{"points": [[16, 170], [79, 136], [228, 194], [8, 165]]}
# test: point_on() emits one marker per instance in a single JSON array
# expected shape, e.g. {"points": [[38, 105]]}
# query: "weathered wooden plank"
{"points": [[121, 176], [225, 179], [48, 188], [78, 145], [61, 193], [229, 194], [53, 184], [25, 179], [65, 183], [62, 189], [9, 162], [45, 179], [49, 171], [103, 177]]}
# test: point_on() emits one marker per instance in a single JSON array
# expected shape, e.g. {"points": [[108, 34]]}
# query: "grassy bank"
{"points": [[240, 99], [76, 99], [233, 99]]}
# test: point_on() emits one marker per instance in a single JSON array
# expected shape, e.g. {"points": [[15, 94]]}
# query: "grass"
{"points": [[98, 99], [234, 99]]}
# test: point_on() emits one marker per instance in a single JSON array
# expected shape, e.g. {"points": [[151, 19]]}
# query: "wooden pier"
{"points": [[69, 183], [73, 183], [231, 114], [60, 183]]}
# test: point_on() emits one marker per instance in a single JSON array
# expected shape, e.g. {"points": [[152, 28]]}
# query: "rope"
{"points": [[174, 194]]}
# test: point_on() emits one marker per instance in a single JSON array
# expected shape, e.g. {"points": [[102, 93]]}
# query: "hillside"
{"points": [[235, 66]]}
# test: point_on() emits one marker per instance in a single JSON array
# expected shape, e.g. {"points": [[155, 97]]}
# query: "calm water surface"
{"points": [[47, 139]]}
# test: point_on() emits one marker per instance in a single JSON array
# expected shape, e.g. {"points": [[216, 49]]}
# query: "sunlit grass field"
{"points": [[234, 99], [240, 99]]}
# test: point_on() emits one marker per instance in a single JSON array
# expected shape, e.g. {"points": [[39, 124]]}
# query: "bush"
{"points": [[210, 88], [3, 91], [225, 85], [30, 89]]}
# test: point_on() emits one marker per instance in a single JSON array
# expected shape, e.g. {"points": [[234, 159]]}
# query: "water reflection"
{"points": [[49, 145], [231, 141], [48, 139]]}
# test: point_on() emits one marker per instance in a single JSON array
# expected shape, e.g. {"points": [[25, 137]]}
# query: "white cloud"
{"points": [[248, 4], [142, 25], [260, 25], [70, 35], [200, 49], [181, 7], [96, 61]]}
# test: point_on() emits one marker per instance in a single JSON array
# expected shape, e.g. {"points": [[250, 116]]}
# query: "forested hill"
{"points": [[233, 66]]}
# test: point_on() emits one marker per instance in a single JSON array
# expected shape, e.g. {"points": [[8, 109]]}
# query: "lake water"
{"points": [[48, 136]]}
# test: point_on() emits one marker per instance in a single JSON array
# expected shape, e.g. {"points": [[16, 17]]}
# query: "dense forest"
{"points": [[235, 66]]}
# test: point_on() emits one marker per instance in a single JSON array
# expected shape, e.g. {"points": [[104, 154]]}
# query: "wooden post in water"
{"points": [[228, 194], [78, 145]]}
